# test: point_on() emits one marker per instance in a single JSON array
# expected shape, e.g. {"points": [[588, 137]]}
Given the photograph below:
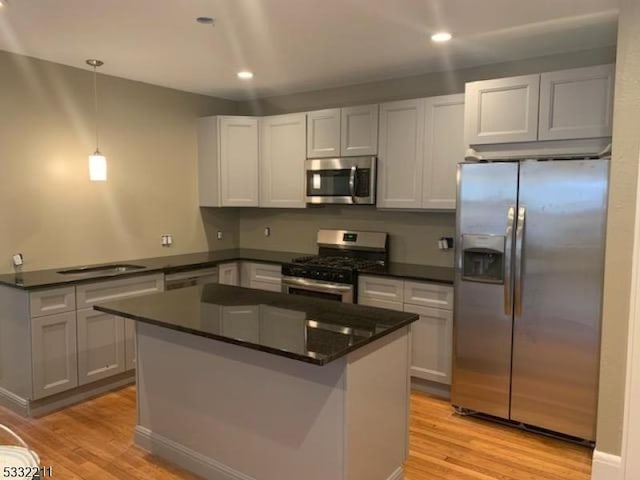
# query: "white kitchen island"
{"points": [[239, 384]]}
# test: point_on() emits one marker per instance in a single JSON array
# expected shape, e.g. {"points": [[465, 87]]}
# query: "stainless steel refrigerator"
{"points": [[528, 291]]}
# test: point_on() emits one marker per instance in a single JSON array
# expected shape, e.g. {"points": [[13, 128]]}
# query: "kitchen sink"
{"points": [[106, 269]]}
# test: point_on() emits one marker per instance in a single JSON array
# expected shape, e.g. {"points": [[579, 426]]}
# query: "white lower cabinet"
{"points": [[261, 276], [54, 351], [229, 274], [101, 349], [431, 343], [241, 322], [129, 344], [376, 302], [431, 334]]}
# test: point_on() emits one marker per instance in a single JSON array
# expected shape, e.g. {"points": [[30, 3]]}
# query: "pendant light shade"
{"points": [[97, 167], [97, 161]]}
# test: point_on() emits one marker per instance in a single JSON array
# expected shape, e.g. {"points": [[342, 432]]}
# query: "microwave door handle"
{"points": [[352, 183]]}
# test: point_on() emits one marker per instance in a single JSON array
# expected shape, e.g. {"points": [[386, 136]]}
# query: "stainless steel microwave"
{"points": [[346, 180]]}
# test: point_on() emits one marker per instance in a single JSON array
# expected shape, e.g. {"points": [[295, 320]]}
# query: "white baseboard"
{"points": [[196, 462], [397, 475], [185, 457], [606, 466]]}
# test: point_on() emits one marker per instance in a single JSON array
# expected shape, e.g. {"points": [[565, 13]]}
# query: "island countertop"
{"points": [[311, 330]]}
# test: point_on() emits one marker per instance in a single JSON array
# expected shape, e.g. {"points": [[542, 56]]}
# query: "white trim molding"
{"points": [[606, 466], [185, 457], [631, 426], [398, 474]]}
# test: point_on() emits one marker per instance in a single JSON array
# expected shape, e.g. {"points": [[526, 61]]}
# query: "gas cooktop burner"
{"points": [[345, 262]]}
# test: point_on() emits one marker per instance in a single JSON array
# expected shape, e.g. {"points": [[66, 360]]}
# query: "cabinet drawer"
{"points": [[376, 302], [52, 300], [429, 295], [91, 293], [268, 286], [263, 272], [380, 288]]}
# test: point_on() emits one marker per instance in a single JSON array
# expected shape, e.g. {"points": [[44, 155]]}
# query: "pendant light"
{"points": [[97, 161]]}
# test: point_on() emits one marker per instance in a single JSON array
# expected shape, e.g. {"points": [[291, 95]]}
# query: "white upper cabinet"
{"points": [[401, 154], [282, 156], [228, 162], [576, 103], [444, 148], [323, 133], [504, 110], [239, 161], [359, 134]]}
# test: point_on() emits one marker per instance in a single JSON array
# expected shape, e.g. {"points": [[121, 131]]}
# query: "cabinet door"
{"points": [[282, 156], [576, 103], [129, 344], [443, 149], [239, 161], [228, 274], [54, 354], [431, 344], [359, 130], [100, 345], [504, 110], [323, 133], [401, 154], [208, 162]]}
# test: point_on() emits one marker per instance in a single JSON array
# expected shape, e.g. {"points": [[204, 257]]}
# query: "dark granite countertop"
{"points": [[168, 264], [191, 261], [301, 328], [414, 272]]}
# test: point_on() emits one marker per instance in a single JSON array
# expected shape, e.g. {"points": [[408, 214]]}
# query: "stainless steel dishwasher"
{"points": [[190, 278]]}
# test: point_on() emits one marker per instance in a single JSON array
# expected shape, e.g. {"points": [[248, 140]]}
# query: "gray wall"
{"points": [[50, 210], [620, 230], [414, 234], [439, 83], [413, 238]]}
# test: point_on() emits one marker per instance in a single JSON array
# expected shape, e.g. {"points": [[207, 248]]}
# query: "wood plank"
{"points": [[94, 441]]}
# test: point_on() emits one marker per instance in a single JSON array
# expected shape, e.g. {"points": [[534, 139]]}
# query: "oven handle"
{"points": [[304, 282]]}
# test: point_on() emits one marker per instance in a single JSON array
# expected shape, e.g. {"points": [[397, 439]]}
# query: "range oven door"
{"points": [[339, 292], [341, 180]]}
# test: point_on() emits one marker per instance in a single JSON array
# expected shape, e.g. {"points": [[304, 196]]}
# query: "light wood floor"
{"points": [[93, 441]]}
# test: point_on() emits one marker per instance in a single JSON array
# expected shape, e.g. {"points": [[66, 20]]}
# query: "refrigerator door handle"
{"points": [[508, 247], [518, 263]]}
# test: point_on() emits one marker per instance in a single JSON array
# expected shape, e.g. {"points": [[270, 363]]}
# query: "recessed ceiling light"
{"points": [[245, 75], [201, 20], [3, 3], [441, 37]]}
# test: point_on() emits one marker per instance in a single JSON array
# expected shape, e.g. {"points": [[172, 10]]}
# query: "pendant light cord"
{"points": [[95, 101]]}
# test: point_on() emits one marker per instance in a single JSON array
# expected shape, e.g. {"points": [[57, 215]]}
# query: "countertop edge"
{"points": [[261, 348]]}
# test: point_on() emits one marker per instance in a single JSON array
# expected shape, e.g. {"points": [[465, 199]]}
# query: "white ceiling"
{"points": [[296, 45]]}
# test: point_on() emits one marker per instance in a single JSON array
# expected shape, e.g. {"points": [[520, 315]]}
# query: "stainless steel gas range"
{"points": [[333, 273]]}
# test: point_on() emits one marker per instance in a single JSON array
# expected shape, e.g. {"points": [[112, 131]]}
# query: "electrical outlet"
{"points": [[166, 240], [267, 231], [18, 260], [219, 235]]}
